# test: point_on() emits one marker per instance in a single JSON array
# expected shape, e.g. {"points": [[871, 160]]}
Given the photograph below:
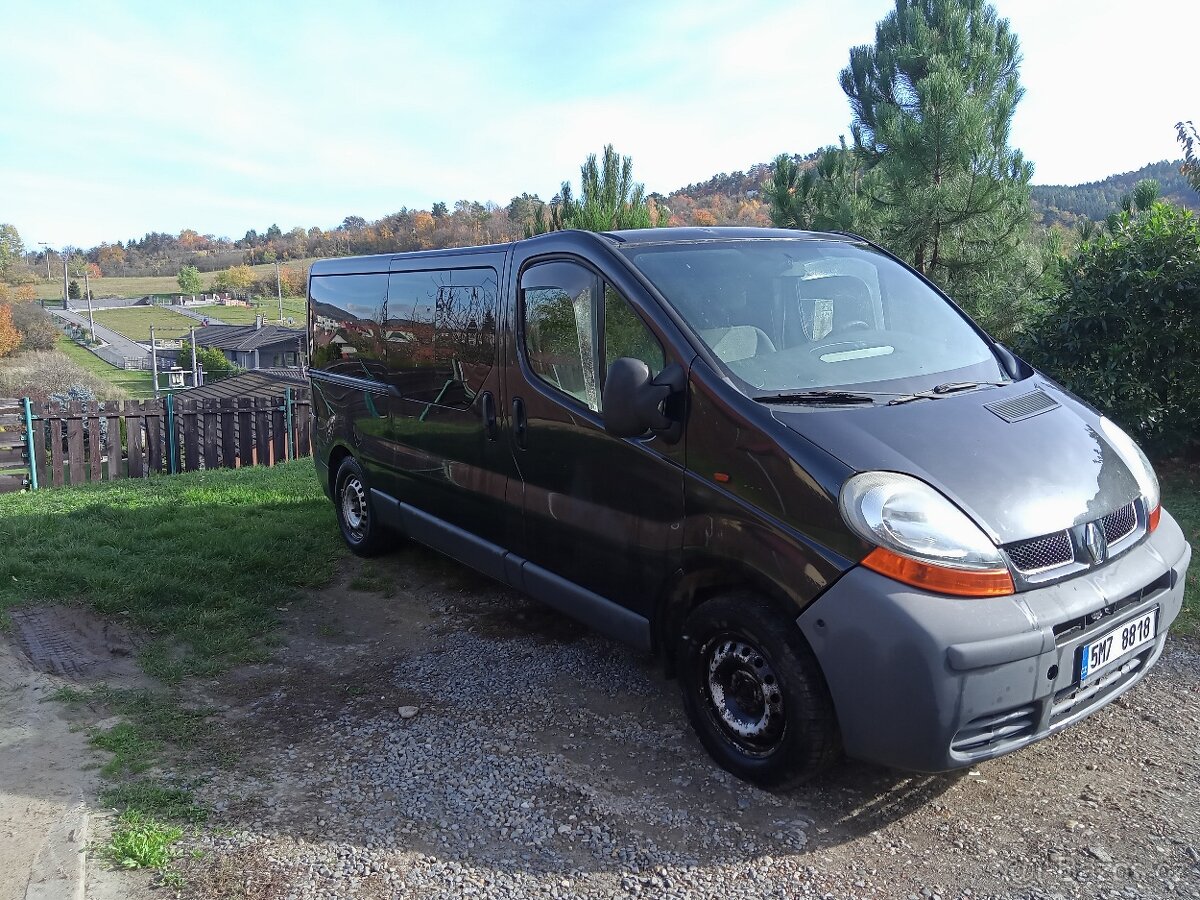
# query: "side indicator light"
{"points": [[721, 477], [940, 579]]}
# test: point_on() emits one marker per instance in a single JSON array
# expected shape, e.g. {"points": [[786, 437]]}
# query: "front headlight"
{"points": [[1135, 460], [922, 538]]}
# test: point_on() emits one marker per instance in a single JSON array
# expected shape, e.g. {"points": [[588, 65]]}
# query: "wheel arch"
{"points": [[685, 591]]}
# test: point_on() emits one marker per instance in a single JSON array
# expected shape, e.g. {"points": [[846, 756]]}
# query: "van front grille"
{"points": [[995, 728], [1120, 524], [1041, 553]]}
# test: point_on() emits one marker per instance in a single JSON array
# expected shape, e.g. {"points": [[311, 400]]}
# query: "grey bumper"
{"points": [[927, 682]]}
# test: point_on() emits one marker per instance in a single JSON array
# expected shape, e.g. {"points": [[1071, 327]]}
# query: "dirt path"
{"points": [[48, 783], [424, 733]]}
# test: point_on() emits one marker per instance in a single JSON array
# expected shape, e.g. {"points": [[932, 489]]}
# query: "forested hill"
{"points": [[732, 198], [1095, 200]]}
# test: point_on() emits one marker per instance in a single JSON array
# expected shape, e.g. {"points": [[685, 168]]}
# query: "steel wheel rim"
{"points": [[354, 508], [743, 695]]}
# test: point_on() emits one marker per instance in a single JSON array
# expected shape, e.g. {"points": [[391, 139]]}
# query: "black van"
{"points": [[846, 518]]}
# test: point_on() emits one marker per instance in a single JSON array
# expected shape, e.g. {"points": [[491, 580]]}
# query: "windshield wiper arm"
{"points": [[942, 390], [834, 398]]}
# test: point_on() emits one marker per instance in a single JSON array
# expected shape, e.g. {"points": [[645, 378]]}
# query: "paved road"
{"points": [[119, 343]]}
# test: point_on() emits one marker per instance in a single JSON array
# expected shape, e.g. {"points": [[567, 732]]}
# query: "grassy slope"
{"points": [[143, 286], [135, 322], [138, 384], [244, 315], [201, 560]]}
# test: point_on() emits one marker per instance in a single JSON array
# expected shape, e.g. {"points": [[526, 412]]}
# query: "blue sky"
{"points": [[124, 118]]}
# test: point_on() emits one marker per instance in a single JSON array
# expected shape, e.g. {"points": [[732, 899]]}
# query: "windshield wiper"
{"points": [[834, 398], [942, 390]]}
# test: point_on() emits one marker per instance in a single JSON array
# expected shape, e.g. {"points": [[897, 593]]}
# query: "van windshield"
{"points": [[795, 315]]}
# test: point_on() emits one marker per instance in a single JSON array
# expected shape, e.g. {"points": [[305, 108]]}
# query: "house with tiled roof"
{"points": [[257, 346]]}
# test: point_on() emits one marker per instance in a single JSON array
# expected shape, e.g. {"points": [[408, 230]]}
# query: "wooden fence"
{"points": [[81, 442]]}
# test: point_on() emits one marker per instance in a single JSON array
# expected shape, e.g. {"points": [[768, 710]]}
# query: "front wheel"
{"points": [[754, 693], [361, 528]]}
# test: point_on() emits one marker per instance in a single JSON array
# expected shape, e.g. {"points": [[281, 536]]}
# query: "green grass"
{"points": [[139, 384], [294, 307], [120, 287], [1181, 496], [152, 797], [201, 561], [141, 842], [134, 322], [148, 285]]}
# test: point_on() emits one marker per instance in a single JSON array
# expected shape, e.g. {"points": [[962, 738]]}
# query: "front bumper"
{"points": [[930, 683]]}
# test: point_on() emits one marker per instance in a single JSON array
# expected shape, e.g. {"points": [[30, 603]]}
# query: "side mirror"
{"points": [[1015, 367], [635, 403]]}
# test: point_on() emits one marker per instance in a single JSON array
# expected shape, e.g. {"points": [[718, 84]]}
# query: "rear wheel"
{"points": [[361, 529], [754, 692]]}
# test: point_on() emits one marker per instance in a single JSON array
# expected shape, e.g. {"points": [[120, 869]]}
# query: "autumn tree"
{"points": [[236, 278], [933, 100], [190, 281], [10, 337]]}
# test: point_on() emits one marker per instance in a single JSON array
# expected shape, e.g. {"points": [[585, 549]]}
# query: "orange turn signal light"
{"points": [[1152, 519], [940, 579]]}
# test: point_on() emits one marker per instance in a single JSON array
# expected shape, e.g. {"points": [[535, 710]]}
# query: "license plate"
{"points": [[1111, 646]]}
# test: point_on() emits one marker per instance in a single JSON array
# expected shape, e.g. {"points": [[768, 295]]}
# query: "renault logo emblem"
{"points": [[1093, 539]]}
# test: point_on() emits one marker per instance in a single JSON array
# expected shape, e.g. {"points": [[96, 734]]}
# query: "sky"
{"points": [[125, 118]]}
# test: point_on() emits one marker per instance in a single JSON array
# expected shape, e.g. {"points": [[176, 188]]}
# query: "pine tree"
{"points": [[609, 199], [933, 100]]}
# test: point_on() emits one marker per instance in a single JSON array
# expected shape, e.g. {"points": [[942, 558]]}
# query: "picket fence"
{"points": [[50, 444]]}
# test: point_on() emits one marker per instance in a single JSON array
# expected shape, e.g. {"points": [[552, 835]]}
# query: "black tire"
{"points": [[754, 692], [361, 529]]}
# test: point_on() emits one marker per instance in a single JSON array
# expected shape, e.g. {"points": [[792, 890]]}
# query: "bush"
{"points": [[36, 327], [40, 374], [212, 361], [1124, 333]]}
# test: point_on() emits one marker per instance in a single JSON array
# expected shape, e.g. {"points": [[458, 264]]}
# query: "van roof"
{"points": [[380, 262]]}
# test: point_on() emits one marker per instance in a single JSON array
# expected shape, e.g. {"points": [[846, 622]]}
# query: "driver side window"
{"points": [[575, 326]]}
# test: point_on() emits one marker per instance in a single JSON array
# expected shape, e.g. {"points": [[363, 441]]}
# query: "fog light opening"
{"points": [[1052, 673]]}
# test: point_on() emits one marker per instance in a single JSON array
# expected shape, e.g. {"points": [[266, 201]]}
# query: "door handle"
{"points": [[487, 405], [520, 424]]}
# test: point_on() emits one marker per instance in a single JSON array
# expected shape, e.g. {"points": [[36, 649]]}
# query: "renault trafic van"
{"points": [[847, 519]]}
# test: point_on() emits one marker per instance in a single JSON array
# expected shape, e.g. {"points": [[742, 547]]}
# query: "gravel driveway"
{"points": [[543, 761]]}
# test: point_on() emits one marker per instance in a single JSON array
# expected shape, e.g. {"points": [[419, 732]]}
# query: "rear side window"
{"points": [[345, 312], [575, 325], [441, 333]]}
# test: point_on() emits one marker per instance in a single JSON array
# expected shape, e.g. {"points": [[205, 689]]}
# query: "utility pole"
{"points": [[87, 290], [66, 293], [195, 364], [154, 361], [279, 290]]}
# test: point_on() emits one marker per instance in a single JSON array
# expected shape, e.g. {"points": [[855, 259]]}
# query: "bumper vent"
{"points": [[1041, 553], [1120, 524], [995, 728], [1018, 408]]}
